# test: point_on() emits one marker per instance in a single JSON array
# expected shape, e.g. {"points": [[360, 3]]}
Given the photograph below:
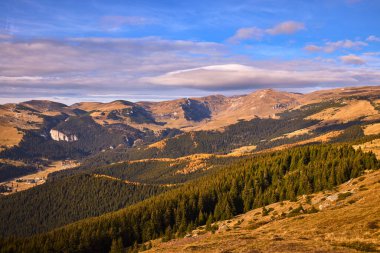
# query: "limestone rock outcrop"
{"points": [[59, 136]]}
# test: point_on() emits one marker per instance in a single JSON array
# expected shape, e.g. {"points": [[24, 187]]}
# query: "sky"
{"points": [[70, 51]]}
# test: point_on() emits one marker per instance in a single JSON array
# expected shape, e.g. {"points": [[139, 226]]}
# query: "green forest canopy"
{"points": [[248, 184]]}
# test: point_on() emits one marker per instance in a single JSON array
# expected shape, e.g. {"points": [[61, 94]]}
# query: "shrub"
{"points": [[342, 196], [257, 225], [265, 211], [297, 211], [308, 199], [373, 225], [312, 210]]}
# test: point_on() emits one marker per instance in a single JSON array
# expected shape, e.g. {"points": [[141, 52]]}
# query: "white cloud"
{"points": [[287, 27], [373, 38], [236, 76], [115, 23], [352, 59], [20, 78], [332, 46], [313, 48], [247, 33]]}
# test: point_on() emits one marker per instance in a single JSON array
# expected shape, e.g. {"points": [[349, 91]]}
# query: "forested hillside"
{"points": [[64, 201], [92, 138], [37, 144], [221, 142], [262, 133], [251, 183], [108, 142], [157, 171]]}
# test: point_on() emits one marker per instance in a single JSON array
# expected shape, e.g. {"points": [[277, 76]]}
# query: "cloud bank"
{"points": [[330, 47], [236, 76], [80, 67]]}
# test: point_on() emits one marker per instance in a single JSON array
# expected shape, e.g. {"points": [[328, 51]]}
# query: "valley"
{"points": [[38, 178]]}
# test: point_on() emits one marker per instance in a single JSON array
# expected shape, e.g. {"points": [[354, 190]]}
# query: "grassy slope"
{"points": [[346, 225]]}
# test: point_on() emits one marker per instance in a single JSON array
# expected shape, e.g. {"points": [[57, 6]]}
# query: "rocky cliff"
{"points": [[59, 136]]}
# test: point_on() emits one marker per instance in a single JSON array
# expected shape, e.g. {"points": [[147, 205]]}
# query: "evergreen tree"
{"points": [[117, 246], [209, 223]]}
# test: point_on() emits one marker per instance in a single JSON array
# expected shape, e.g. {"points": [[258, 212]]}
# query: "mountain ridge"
{"points": [[123, 130]]}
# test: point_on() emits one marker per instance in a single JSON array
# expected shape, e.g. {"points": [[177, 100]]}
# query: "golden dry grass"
{"points": [[373, 146], [193, 166], [322, 138], [11, 120], [295, 133], [298, 132], [340, 226], [159, 144], [372, 129], [9, 136], [353, 110], [93, 106], [243, 150]]}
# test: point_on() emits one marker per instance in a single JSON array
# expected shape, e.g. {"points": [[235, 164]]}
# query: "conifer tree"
{"points": [[117, 246]]}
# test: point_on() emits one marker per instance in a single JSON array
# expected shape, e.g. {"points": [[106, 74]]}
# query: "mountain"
{"points": [[207, 113], [211, 112], [93, 176], [44, 131]]}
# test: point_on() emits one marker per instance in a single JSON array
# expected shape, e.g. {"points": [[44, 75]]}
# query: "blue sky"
{"points": [[153, 50]]}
